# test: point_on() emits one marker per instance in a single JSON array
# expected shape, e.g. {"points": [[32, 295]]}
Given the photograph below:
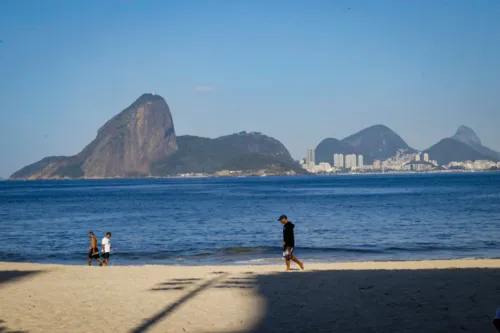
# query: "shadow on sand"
{"points": [[430, 301], [176, 284], [362, 301], [4, 329], [11, 277]]}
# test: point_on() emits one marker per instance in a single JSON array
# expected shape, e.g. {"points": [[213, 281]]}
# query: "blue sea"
{"points": [[231, 221]]}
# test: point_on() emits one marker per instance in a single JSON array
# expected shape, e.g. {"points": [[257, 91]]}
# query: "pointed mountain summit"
{"points": [[465, 145], [467, 135]]}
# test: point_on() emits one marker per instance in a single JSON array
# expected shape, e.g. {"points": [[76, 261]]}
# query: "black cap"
{"points": [[282, 217]]}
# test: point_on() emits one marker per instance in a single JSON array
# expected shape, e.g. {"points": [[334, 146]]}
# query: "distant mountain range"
{"points": [[140, 141], [379, 142]]}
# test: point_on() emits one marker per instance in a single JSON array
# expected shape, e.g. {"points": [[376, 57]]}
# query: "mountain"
{"points": [[449, 150], [125, 145], [141, 141], [467, 135], [241, 151], [328, 147], [465, 145], [377, 142]]}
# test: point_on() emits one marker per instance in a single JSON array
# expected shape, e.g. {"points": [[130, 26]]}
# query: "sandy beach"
{"points": [[424, 296]]}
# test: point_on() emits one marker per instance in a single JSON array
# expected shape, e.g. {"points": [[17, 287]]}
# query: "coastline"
{"points": [[252, 175], [344, 265], [413, 296]]}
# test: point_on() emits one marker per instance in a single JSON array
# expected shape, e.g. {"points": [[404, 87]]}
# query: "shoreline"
{"points": [[265, 175], [424, 296], [382, 264], [254, 262]]}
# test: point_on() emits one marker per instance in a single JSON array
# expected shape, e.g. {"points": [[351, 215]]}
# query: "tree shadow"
{"points": [[361, 301], [237, 283], [12, 276], [149, 322], [7, 276], [175, 284], [5, 329]]}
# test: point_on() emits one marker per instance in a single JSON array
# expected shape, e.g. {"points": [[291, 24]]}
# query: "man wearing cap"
{"points": [[289, 242]]}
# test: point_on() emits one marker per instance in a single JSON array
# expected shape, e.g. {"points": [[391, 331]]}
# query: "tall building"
{"points": [[417, 158], [377, 165], [310, 158], [426, 157], [350, 161], [338, 161], [360, 161]]}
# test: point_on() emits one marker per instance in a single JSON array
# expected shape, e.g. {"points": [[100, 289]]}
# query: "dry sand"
{"points": [[426, 296]]}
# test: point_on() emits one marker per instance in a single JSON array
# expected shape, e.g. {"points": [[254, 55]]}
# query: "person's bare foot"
{"points": [[301, 265]]}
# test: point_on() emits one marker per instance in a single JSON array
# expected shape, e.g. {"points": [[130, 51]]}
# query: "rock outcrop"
{"points": [[127, 145]]}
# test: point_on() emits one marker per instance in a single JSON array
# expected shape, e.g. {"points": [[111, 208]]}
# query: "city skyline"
{"points": [[402, 161], [322, 70]]}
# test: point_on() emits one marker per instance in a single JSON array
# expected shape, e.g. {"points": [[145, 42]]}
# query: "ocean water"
{"points": [[234, 220]]}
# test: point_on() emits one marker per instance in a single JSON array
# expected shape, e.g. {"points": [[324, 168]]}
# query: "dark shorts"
{"points": [[94, 253], [288, 252], [105, 255]]}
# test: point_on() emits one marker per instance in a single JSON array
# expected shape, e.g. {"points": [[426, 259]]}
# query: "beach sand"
{"points": [[425, 296]]}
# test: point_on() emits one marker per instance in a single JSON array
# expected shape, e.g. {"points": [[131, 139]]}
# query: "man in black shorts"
{"points": [[106, 247], [289, 242], [93, 250]]}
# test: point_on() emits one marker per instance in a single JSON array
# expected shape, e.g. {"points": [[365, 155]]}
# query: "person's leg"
{"points": [[100, 261], [287, 264], [90, 261], [298, 262], [97, 257], [106, 258]]}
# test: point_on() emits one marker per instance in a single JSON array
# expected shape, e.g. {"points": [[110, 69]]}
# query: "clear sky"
{"points": [[300, 71]]}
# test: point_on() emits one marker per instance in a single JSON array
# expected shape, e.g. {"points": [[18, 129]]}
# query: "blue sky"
{"points": [[296, 70]]}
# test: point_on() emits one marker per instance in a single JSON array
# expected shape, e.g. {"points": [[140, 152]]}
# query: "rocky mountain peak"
{"points": [[467, 135]]}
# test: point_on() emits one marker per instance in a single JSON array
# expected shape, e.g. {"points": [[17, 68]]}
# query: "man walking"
{"points": [[289, 242], [106, 247], [93, 250]]}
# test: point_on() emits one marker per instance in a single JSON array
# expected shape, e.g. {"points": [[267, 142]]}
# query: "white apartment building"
{"points": [[360, 161], [310, 157], [350, 161], [338, 161]]}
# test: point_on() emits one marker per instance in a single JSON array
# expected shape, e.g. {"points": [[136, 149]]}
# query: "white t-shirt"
{"points": [[107, 244]]}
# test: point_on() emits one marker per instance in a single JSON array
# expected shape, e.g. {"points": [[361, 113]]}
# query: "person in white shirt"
{"points": [[106, 247]]}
